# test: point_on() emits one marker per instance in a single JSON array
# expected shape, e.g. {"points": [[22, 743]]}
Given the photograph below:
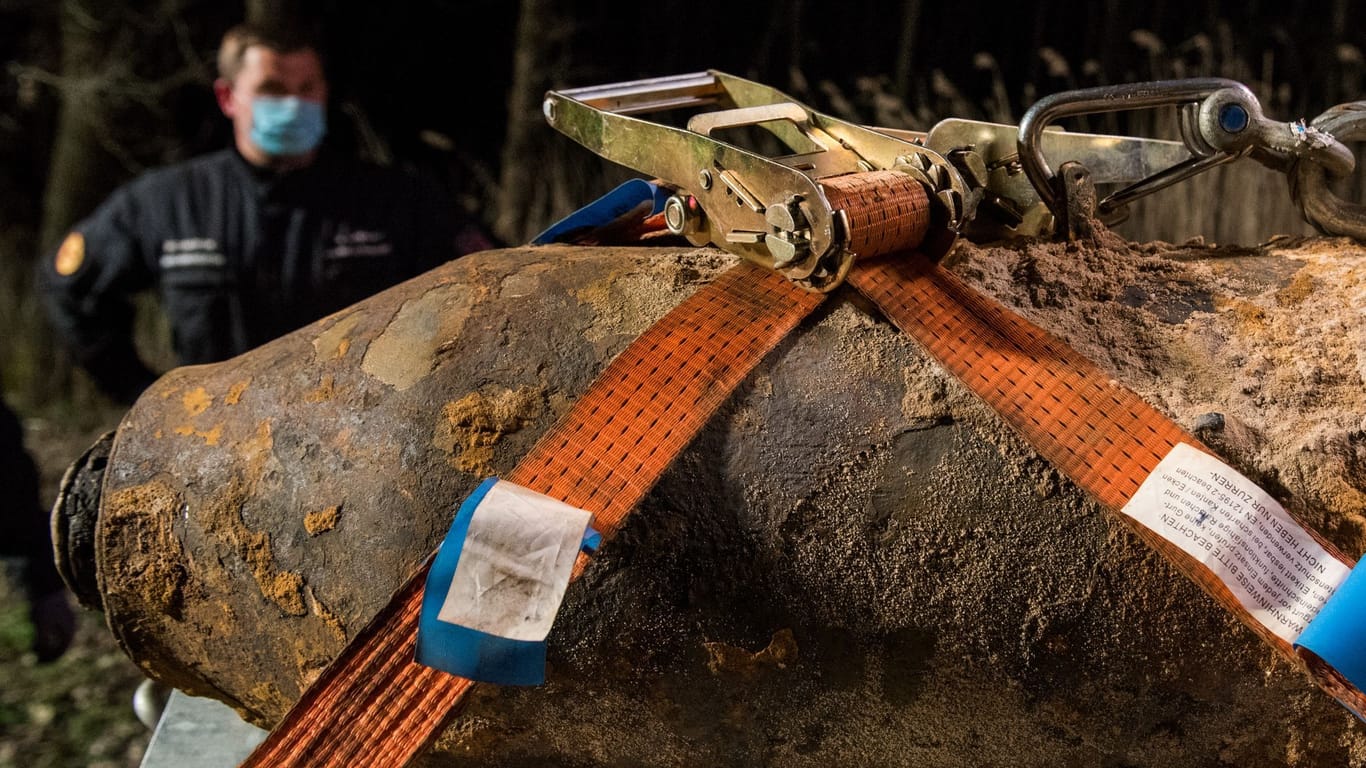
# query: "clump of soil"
{"points": [[1241, 345]]}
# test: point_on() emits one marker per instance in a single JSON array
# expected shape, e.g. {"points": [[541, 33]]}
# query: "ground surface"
{"points": [[78, 710]]}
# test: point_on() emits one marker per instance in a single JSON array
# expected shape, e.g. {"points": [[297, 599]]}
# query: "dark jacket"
{"points": [[238, 256]]}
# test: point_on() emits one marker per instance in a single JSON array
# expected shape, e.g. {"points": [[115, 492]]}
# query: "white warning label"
{"points": [[1277, 571]]}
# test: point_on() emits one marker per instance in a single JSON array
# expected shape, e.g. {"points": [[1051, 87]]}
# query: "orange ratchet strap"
{"points": [[375, 706], [1103, 436], [831, 200]]}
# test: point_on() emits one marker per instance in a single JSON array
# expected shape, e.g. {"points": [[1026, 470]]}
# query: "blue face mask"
{"points": [[284, 126]]}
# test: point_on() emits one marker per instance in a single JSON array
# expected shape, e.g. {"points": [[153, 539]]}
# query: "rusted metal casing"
{"points": [[856, 563]]}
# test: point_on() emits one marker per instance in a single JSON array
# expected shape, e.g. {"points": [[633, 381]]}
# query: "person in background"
{"points": [[248, 243], [24, 534], [251, 242]]}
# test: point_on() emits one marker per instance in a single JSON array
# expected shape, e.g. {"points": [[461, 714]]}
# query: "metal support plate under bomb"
{"points": [[775, 211]]}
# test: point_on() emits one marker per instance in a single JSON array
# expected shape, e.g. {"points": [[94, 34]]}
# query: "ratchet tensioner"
{"points": [[763, 176]]}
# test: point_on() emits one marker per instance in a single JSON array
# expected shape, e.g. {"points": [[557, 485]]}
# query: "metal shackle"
{"points": [[1329, 213], [1221, 120], [1231, 120]]}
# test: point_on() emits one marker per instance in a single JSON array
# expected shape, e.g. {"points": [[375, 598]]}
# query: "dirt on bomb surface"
{"points": [[1241, 345], [1149, 310], [1237, 344]]}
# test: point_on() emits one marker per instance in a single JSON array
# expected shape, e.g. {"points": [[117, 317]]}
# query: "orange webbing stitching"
{"points": [[644, 409], [1098, 433], [376, 707], [887, 211]]}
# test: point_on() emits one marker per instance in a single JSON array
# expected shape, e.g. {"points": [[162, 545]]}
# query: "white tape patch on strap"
{"points": [[1279, 573], [515, 565]]}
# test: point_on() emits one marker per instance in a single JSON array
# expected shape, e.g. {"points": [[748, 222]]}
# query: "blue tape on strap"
{"points": [[591, 541], [605, 210], [460, 650], [1338, 633]]}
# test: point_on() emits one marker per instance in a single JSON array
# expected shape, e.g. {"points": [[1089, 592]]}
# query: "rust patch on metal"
{"points": [[335, 342], [268, 694], [151, 564], [258, 447], [322, 520], [234, 395], [406, 351], [210, 436], [219, 608], [323, 392], [729, 660], [224, 515], [471, 426], [329, 619], [284, 588], [196, 401]]}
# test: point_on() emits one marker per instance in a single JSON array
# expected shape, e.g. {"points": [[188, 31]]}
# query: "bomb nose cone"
{"points": [[74, 516]]}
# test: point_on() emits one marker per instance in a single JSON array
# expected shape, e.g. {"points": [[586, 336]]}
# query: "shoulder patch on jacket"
{"points": [[70, 255]]}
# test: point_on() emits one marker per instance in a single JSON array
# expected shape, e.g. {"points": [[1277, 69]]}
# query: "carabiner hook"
{"points": [[1221, 121]]}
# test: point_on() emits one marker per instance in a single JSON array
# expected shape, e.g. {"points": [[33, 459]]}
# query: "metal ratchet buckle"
{"points": [[769, 210], [1220, 120]]}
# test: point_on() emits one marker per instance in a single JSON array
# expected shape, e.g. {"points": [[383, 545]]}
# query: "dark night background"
{"points": [[93, 93]]}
